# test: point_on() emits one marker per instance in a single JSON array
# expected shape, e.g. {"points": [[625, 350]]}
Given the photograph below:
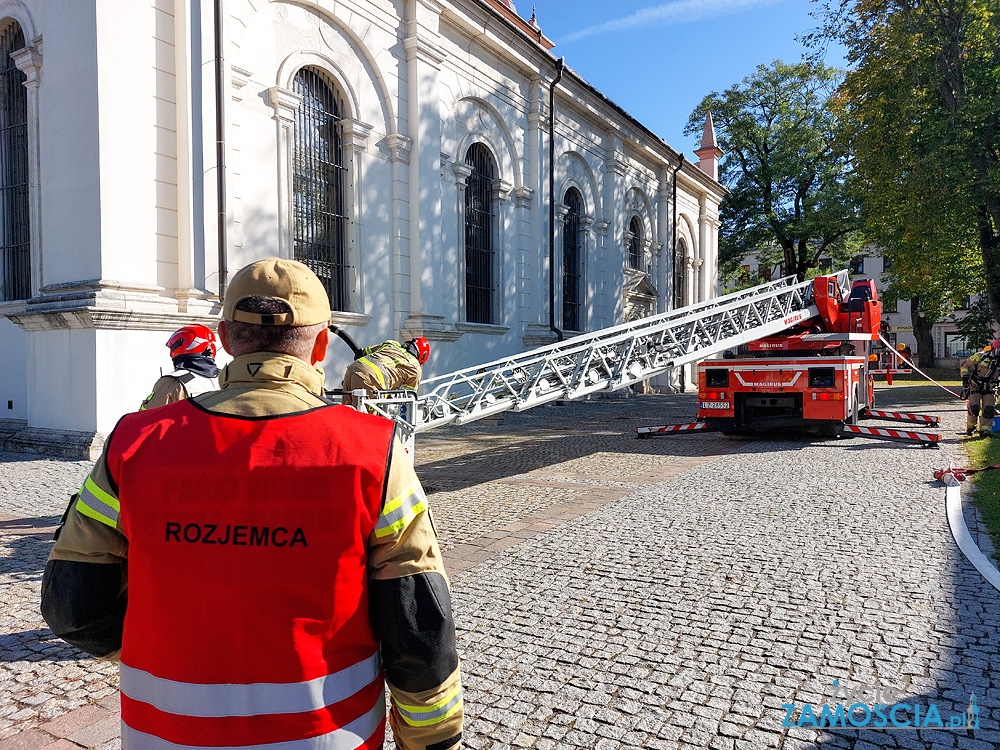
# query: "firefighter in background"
{"points": [[192, 349], [390, 366], [980, 376], [261, 561]]}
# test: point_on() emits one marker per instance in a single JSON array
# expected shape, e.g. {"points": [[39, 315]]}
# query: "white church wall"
{"points": [[13, 375]]}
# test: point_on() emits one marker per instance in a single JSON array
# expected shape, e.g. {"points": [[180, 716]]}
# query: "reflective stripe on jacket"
{"points": [[217, 541]]}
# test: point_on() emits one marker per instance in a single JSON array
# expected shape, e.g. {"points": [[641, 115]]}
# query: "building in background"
{"points": [[400, 148]]}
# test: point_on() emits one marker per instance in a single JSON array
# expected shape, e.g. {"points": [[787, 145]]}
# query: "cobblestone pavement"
{"points": [[615, 593]]}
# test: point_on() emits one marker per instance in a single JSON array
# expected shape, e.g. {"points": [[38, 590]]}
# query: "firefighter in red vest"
{"points": [[259, 559], [192, 351]]}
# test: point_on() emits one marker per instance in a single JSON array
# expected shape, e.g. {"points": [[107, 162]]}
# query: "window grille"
{"points": [[480, 218], [572, 266], [680, 265], [319, 185], [634, 239], [15, 243]]}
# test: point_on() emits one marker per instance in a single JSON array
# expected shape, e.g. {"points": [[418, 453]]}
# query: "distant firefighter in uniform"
{"points": [[390, 366], [980, 375], [192, 349]]}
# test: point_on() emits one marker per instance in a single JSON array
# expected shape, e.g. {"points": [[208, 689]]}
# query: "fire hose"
{"points": [[900, 355], [946, 475]]}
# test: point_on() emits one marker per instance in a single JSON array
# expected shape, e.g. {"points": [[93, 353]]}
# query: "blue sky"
{"points": [[657, 60]]}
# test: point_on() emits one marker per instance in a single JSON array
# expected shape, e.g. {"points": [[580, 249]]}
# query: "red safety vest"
{"points": [[247, 620]]}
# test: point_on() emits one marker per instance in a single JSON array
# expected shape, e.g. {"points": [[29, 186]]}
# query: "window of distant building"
{"points": [[572, 261], [890, 306], [956, 345], [886, 263], [480, 222], [15, 244], [319, 184], [633, 240], [680, 268], [857, 264]]}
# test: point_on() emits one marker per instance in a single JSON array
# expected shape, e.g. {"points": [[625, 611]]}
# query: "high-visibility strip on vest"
{"points": [[397, 513], [98, 504], [382, 375], [425, 716], [358, 734], [196, 699]]}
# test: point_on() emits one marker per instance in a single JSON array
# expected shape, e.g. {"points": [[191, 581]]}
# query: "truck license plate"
{"points": [[714, 404]]}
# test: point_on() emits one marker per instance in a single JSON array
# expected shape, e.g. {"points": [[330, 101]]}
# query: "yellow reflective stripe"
{"points": [[398, 513], [98, 504], [423, 716], [377, 369]]}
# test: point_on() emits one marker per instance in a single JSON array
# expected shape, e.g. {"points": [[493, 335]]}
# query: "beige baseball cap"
{"points": [[290, 281]]}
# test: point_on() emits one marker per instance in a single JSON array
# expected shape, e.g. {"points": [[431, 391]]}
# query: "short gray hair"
{"points": [[245, 338]]}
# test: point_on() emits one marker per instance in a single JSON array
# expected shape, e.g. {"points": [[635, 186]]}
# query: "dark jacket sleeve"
{"points": [[410, 611], [85, 584]]}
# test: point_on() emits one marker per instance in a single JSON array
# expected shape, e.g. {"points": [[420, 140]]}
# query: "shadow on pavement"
{"points": [[37, 645]]}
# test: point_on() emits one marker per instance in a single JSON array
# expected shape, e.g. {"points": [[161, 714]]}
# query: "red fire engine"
{"points": [[814, 376]]}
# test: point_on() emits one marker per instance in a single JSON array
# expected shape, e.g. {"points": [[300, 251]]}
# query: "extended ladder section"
{"points": [[613, 358]]}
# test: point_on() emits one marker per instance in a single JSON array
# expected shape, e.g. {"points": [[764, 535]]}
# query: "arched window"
{"points": [[572, 261], [634, 240], [680, 266], [319, 185], [480, 222], [15, 225]]}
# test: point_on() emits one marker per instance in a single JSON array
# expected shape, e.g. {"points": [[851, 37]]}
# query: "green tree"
{"points": [[922, 102], [977, 324], [785, 167]]}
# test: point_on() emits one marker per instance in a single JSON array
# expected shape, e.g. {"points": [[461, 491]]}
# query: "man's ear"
{"points": [[224, 336], [319, 348]]}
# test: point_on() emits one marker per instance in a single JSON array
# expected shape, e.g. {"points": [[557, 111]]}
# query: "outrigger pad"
{"points": [[644, 432], [885, 433], [895, 416]]}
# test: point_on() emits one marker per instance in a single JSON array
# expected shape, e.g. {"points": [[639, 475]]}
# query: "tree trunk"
{"points": [[989, 246], [922, 331]]}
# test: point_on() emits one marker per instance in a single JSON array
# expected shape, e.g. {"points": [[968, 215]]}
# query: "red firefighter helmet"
{"points": [[996, 348], [419, 348], [195, 339]]}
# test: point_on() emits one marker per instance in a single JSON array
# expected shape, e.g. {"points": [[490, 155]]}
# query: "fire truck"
{"points": [[813, 377], [803, 378]]}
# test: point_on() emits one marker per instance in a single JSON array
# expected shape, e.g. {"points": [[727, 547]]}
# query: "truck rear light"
{"points": [[712, 395], [828, 397]]}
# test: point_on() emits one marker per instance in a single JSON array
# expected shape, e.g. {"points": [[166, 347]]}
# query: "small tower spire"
{"points": [[709, 153]]}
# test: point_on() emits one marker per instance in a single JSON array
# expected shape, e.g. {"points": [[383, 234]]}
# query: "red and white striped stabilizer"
{"points": [[646, 431], [897, 416], [891, 371], [883, 433]]}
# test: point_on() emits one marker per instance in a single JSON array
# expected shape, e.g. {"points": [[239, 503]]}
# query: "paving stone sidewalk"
{"points": [[615, 593]]}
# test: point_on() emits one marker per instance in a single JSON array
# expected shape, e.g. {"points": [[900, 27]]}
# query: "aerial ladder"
{"points": [[607, 360]]}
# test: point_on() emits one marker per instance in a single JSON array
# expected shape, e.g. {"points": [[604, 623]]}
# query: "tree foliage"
{"points": [[922, 107], [785, 167], [977, 324]]}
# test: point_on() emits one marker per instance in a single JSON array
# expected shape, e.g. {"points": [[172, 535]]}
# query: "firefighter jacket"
{"points": [[277, 557], [386, 367], [982, 371], [191, 376]]}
